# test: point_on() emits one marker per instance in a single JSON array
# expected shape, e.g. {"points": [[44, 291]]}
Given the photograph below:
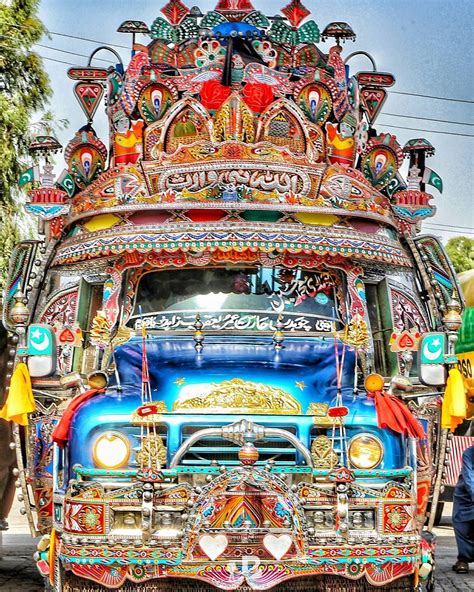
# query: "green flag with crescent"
{"points": [[66, 182], [432, 178], [396, 184], [28, 176]]}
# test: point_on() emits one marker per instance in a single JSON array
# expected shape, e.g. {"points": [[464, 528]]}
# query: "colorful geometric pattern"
{"points": [[84, 518], [234, 6], [89, 95], [380, 569], [439, 269], [106, 244], [406, 313], [397, 518]]}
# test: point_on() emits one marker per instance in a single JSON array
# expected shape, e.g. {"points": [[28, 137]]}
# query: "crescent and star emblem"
{"points": [[432, 354], [40, 340]]}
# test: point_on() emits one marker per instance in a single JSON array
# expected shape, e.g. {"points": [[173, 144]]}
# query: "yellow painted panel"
{"points": [[101, 222], [317, 219]]}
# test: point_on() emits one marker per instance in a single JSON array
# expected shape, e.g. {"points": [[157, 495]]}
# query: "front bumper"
{"points": [[244, 525], [380, 565]]}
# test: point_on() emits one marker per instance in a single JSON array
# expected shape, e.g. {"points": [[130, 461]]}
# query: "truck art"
{"points": [[231, 340]]}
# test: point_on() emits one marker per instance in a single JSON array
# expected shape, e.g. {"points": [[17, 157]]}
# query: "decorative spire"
{"points": [[19, 313], [452, 319], [418, 150], [414, 179], [295, 12], [278, 336]]}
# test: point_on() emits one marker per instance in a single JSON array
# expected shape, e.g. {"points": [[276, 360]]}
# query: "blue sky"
{"points": [[426, 44]]}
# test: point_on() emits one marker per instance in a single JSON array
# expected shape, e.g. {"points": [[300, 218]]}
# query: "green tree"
{"points": [[461, 253], [24, 90]]}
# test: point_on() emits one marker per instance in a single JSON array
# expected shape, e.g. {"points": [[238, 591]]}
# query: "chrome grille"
{"points": [[222, 451]]}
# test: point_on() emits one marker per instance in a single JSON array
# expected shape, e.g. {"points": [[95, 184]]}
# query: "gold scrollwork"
{"points": [[320, 413], [241, 396], [234, 121], [152, 453], [323, 454]]}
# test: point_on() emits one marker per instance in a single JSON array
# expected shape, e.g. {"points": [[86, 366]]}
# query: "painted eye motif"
{"points": [[86, 160], [157, 100], [153, 102], [355, 191], [313, 99], [109, 190], [380, 162]]}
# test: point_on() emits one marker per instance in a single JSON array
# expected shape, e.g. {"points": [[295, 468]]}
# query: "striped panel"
{"points": [[458, 446]]}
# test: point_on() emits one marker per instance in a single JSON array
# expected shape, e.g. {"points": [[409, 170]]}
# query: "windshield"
{"points": [[247, 298]]}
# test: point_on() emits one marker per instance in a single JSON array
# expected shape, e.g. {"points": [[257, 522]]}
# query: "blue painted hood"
{"points": [[305, 368]]}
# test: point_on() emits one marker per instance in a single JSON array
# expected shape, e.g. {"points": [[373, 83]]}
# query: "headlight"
{"points": [[111, 451], [365, 451]]}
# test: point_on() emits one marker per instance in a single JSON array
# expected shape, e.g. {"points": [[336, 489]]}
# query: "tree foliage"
{"points": [[461, 253], [24, 90]]}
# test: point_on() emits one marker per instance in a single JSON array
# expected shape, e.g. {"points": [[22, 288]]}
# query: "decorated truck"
{"points": [[230, 342]]}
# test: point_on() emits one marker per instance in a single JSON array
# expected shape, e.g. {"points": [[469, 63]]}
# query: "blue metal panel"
{"points": [[303, 360]]}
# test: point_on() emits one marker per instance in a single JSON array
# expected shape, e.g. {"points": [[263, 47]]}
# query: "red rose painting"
{"points": [[257, 96], [213, 94]]}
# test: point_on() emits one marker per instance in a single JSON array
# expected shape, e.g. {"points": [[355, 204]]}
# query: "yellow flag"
{"points": [[51, 555], [20, 399], [454, 407]]}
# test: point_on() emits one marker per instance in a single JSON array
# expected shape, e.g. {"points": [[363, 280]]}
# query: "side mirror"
{"points": [[431, 357], [41, 350]]}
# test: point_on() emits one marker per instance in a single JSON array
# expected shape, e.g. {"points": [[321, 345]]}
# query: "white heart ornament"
{"points": [[278, 546], [213, 546]]}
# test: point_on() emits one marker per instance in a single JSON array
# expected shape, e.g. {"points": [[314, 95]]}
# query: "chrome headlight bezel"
{"points": [[356, 460], [98, 455]]}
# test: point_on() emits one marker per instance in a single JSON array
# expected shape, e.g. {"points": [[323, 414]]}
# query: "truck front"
{"points": [[233, 444], [222, 323]]}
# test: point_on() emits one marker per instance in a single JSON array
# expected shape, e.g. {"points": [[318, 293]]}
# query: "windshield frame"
{"points": [[323, 324]]}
